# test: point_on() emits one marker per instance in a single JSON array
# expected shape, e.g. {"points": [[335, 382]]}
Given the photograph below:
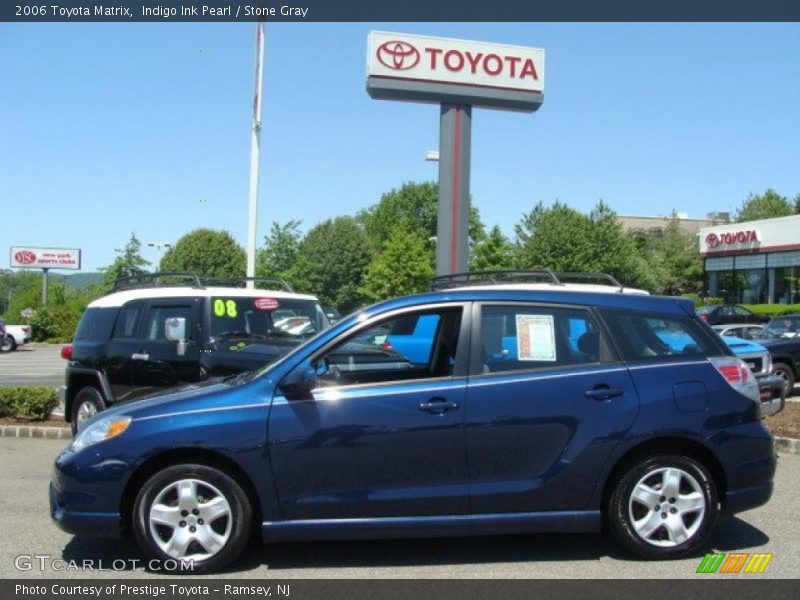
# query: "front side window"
{"points": [[643, 336], [782, 327], [415, 345], [518, 338], [263, 317]]}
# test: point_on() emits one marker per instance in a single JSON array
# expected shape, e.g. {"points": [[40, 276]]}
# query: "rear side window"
{"points": [[96, 324], [648, 336]]}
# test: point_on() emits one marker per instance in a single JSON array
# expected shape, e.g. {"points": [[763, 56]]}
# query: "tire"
{"points": [[9, 344], [165, 534], [87, 403], [664, 526], [785, 371]]}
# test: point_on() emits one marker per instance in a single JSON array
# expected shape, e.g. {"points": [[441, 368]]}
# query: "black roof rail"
{"points": [[158, 279], [491, 277], [241, 281]]}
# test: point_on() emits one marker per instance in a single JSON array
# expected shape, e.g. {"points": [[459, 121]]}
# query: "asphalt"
{"points": [[27, 531], [32, 364]]}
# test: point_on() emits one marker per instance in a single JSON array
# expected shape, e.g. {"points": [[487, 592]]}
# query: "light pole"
{"points": [[158, 246]]}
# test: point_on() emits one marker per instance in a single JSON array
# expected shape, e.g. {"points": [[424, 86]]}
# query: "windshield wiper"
{"points": [[241, 334]]}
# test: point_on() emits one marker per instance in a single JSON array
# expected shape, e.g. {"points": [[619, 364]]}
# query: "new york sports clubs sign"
{"points": [[412, 67], [45, 258]]}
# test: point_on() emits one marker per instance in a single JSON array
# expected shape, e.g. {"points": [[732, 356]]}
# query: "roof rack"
{"points": [[159, 279], [496, 277], [241, 281], [192, 280], [492, 277]]}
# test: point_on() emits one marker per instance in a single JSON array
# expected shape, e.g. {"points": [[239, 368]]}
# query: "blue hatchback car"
{"points": [[525, 408]]}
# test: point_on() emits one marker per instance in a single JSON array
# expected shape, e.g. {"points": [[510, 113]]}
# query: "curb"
{"points": [[35, 431], [782, 444]]}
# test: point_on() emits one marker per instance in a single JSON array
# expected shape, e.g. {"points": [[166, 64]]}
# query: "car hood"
{"points": [[741, 346], [780, 342]]}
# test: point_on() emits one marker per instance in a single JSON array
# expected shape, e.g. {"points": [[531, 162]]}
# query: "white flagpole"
{"points": [[252, 212]]}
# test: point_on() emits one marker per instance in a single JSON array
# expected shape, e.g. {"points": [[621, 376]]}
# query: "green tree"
{"points": [[207, 252], [493, 252], [402, 267], [674, 259], [417, 202], [797, 204], [128, 262], [279, 253], [768, 205], [330, 263], [560, 238]]}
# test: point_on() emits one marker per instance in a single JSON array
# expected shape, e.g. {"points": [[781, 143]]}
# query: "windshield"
{"points": [[782, 327], [267, 316]]}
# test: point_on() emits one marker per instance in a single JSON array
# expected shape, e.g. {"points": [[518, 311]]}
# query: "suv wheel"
{"points": [[9, 344], [88, 402], [192, 513], [663, 507], [786, 373]]}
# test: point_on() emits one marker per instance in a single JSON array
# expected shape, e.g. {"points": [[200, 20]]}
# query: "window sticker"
{"points": [[225, 308], [265, 303], [536, 338]]}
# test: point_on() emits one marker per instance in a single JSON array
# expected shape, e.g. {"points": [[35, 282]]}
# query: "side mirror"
{"points": [[299, 384], [175, 331]]}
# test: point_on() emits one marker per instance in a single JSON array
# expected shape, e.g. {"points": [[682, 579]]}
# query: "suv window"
{"points": [[96, 324], [127, 320], [643, 336], [369, 356], [267, 316], [518, 338], [154, 326]]}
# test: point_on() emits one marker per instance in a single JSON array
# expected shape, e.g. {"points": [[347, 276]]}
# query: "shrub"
{"points": [[31, 401], [698, 301], [772, 310]]}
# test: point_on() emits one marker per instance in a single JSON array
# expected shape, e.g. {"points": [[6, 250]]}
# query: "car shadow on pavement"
{"points": [[731, 534]]}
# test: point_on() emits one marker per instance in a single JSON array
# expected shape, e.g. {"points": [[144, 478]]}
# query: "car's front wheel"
{"points": [[663, 506], [785, 372], [9, 344], [193, 513]]}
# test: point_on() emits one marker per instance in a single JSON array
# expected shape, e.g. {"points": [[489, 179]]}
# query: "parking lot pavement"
{"points": [[32, 364], [24, 520]]}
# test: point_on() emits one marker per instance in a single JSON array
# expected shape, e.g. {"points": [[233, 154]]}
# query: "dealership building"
{"points": [[754, 262]]}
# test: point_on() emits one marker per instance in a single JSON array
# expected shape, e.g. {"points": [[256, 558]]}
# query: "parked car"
{"points": [[781, 337], [746, 331], [616, 430], [13, 336], [718, 314], [160, 331], [772, 387]]}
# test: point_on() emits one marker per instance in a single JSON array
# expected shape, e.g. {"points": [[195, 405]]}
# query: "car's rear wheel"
{"points": [[786, 373], [9, 344], [194, 513], [88, 402], [663, 506]]}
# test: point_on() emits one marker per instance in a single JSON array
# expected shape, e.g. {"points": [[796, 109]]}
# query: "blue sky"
{"points": [[107, 129]]}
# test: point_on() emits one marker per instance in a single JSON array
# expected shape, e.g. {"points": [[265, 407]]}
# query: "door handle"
{"points": [[438, 406], [602, 392], [138, 356]]}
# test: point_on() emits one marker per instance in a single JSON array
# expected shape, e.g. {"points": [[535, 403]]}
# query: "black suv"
{"points": [[162, 330]]}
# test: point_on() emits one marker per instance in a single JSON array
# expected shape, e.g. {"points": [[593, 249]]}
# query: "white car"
{"points": [[746, 331], [15, 335]]}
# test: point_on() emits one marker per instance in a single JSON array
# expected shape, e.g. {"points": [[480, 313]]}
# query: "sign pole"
{"points": [[44, 286], [255, 148], [452, 226]]}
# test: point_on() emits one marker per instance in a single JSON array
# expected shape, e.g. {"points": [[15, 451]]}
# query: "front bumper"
{"points": [[85, 524], [772, 392]]}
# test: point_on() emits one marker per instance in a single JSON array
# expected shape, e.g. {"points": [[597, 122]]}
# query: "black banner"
{"points": [[403, 10]]}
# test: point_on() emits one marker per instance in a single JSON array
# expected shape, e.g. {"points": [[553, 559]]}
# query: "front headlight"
{"points": [[101, 430], [767, 364]]}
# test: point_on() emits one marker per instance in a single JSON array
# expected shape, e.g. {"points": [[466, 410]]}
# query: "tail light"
{"points": [[386, 346], [26, 329], [738, 375], [704, 318], [66, 352]]}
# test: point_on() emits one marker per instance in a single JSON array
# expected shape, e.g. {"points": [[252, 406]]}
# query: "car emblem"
{"points": [[397, 55]]}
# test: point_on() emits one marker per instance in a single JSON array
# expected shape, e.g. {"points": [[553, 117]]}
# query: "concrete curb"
{"points": [[782, 444], [35, 431]]}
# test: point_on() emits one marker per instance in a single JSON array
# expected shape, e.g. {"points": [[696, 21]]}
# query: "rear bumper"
{"points": [[747, 498]]}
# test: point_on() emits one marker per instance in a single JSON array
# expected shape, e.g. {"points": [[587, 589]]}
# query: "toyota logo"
{"points": [[25, 257], [712, 240], [398, 55]]}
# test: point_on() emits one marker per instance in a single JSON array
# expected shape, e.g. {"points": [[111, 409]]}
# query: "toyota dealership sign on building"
{"points": [[403, 66], [45, 258]]}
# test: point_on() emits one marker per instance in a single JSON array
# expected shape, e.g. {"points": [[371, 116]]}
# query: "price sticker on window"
{"points": [[265, 303]]}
